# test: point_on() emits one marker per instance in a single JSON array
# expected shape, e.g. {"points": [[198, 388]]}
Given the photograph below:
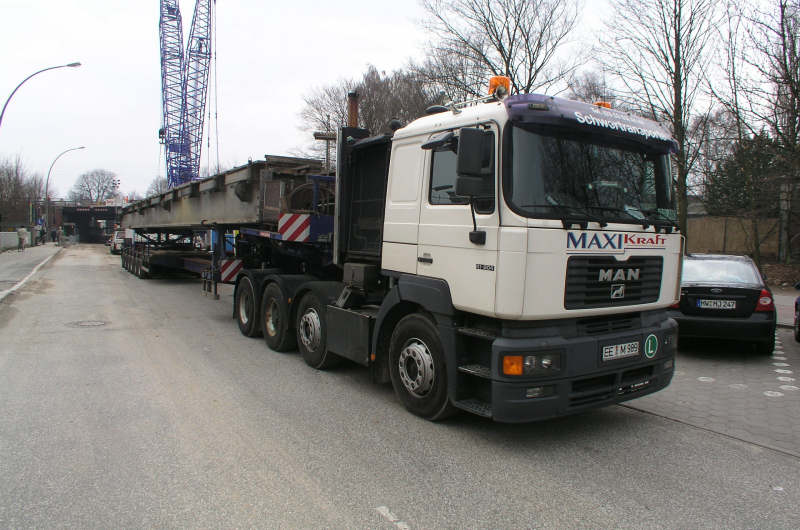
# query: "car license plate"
{"points": [[716, 304], [620, 351]]}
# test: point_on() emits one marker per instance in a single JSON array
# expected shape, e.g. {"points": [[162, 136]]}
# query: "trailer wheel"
{"points": [[247, 308], [275, 320], [312, 334], [417, 368]]}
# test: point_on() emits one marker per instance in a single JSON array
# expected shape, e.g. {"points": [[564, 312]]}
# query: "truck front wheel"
{"points": [[275, 320], [247, 308], [312, 334], [417, 368]]}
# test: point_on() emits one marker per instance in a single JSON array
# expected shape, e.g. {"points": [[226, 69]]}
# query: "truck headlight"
{"points": [[539, 363]]}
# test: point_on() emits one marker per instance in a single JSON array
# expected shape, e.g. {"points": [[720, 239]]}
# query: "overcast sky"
{"points": [[269, 54]]}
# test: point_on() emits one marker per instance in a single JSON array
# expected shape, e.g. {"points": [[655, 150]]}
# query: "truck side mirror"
{"points": [[469, 186], [472, 187], [473, 166], [474, 153]]}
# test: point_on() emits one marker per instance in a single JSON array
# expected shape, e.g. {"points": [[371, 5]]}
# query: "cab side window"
{"points": [[443, 179]]}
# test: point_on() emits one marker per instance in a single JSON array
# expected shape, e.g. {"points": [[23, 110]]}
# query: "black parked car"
{"points": [[724, 297]]}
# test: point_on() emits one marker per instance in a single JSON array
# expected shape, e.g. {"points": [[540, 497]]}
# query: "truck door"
{"points": [[445, 250]]}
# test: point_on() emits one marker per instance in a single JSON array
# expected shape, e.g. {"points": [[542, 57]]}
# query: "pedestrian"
{"points": [[21, 235], [53, 235], [41, 235]]}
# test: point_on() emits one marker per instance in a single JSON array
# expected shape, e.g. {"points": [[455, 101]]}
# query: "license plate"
{"points": [[619, 351], [716, 304]]}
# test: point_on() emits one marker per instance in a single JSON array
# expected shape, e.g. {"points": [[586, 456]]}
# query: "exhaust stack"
{"points": [[352, 109]]}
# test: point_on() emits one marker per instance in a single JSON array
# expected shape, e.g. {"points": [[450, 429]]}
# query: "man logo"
{"points": [[618, 291], [618, 275]]}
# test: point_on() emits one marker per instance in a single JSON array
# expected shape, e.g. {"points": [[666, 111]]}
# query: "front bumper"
{"points": [[758, 327], [585, 380]]}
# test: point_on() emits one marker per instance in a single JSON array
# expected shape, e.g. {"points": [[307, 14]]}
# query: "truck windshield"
{"points": [[556, 177]]}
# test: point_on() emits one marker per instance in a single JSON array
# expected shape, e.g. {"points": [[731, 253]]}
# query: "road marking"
{"points": [[772, 393], [785, 379], [789, 388], [777, 488], [738, 386], [783, 371], [392, 518], [20, 283], [706, 379], [780, 364], [779, 358]]}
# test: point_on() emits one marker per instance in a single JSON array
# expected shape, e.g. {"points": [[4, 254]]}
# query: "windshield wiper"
{"points": [[569, 215], [614, 209], [656, 218]]}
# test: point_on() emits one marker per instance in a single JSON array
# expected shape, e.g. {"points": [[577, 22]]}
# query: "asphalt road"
{"points": [[131, 403]]}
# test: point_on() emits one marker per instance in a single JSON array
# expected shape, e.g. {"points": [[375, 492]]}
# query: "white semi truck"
{"points": [[512, 257]]}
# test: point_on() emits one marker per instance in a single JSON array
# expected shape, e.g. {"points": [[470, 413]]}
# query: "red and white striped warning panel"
{"points": [[228, 269], [294, 226]]}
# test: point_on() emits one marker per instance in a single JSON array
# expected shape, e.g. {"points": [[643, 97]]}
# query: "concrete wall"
{"points": [[10, 240], [731, 235]]}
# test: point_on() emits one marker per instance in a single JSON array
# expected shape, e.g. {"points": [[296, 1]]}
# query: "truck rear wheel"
{"points": [[275, 320], [312, 334], [417, 368], [247, 308]]}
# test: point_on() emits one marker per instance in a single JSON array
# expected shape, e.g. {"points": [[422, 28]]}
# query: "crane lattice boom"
{"points": [[184, 85]]}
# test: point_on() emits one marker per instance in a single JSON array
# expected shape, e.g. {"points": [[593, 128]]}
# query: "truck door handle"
{"points": [[425, 260]]}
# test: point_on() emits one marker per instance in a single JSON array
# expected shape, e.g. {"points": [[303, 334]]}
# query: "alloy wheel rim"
{"points": [[244, 307], [310, 329], [416, 367], [272, 318]]}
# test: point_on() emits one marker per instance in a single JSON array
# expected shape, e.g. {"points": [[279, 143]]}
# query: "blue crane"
{"points": [[184, 85]]}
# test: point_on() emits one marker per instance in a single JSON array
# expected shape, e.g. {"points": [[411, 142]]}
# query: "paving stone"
{"points": [[740, 411]]}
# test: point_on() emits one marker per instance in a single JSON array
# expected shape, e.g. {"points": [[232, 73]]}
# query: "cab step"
{"points": [[481, 408], [478, 333], [478, 370]]}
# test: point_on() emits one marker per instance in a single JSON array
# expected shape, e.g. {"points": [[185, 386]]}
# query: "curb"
{"points": [[20, 283]]}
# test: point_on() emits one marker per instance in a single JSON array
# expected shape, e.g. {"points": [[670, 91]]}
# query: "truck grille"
{"points": [[605, 282]]}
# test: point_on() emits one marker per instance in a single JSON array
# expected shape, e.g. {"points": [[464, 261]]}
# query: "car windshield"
{"points": [[719, 271], [553, 176]]}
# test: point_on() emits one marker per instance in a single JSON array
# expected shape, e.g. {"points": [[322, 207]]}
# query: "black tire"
{"points": [[796, 325], [278, 334], [766, 347], [417, 368], [246, 308], [312, 334]]}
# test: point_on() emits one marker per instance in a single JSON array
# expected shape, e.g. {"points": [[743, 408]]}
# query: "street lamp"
{"points": [[47, 184], [70, 65]]}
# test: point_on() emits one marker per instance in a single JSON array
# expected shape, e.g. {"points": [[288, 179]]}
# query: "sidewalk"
{"points": [[16, 267]]}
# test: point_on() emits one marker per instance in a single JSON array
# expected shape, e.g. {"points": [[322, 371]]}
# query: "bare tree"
{"points": [[95, 186], [659, 51], [382, 98], [591, 86], [476, 39], [761, 90], [157, 186], [18, 190]]}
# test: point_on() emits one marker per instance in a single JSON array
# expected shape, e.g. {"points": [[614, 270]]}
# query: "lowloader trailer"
{"points": [[512, 257]]}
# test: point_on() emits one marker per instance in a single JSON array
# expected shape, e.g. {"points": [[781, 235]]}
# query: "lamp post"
{"points": [[70, 65], [47, 184]]}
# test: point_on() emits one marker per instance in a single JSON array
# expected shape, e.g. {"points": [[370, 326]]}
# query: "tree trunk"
{"points": [[756, 243]]}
